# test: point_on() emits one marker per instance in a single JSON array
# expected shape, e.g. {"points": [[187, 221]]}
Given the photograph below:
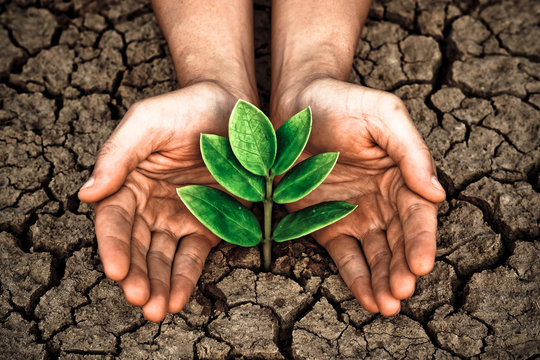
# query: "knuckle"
{"points": [[158, 256], [424, 150], [193, 259], [107, 149], [117, 211], [417, 210], [139, 243], [358, 280], [349, 260], [328, 242], [413, 209], [397, 246], [185, 277], [379, 257], [168, 236], [160, 282], [420, 234], [138, 113], [137, 108], [189, 266], [394, 104], [113, 239]]}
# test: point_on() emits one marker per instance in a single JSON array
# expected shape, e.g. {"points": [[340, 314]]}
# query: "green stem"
{"points": [[267, 241]]}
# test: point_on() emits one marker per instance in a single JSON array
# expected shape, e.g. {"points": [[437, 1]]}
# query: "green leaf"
{"points": [[304, 177], [292, 138], [310, 219], [252, 137], [228, 172], [222, 214]]}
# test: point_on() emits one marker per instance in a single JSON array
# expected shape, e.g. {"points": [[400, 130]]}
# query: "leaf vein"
{"points": [[247, 178], [221, 211], [260, 160]]}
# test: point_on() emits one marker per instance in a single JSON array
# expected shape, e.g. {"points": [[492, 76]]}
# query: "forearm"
{"points": [[211, 40], [312, 39]]}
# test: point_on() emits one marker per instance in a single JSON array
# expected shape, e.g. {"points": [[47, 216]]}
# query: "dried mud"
{"points": [[469, 73]]}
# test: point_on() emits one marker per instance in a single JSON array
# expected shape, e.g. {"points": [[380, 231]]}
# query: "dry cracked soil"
{"points": [[469, 73]]}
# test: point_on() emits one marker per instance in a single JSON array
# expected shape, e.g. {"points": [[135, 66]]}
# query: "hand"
{"points": [[139, 217], [386, 169]]}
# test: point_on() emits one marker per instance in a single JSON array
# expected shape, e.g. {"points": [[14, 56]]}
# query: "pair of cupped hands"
{"points": [[155, 249]]}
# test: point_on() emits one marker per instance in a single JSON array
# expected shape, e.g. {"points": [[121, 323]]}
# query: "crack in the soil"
{"points": [[285, 337], [440, 78]]}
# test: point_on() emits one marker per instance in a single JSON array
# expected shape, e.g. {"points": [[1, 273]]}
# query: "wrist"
{"points": [[211, 41], [312, 41], [292, 76], [305, 65], [237, 89], [231, 73], [295, 94]]}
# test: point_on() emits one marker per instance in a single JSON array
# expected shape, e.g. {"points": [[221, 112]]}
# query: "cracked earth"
{"points": [[469, 73]]}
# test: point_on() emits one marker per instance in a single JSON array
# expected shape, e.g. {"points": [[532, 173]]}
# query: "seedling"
{"points": [[246, 165]]}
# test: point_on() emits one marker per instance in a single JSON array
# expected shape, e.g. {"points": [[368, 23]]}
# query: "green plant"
{"points": [[246, 166]]}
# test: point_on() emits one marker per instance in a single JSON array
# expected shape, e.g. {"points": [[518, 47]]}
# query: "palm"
{"points": [[355, 184], [389, 239], [148, 240], [153, 186], [153, 183]]}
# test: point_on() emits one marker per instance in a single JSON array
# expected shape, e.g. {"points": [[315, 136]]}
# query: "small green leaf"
{"points": [[252, 137], [304, 177], [310, 219], [222, 214], [228, 172], [292, 138]]}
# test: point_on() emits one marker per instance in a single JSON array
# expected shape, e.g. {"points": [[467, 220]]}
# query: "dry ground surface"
{"points": [[469, 73]]}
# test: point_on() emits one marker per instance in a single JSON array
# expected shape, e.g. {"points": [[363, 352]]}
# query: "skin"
{"points": [[148, 241], [384, 165], [155, 249]]}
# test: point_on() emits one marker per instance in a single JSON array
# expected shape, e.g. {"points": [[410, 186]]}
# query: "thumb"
{"points": [[405, 146], [419, 172], [128, 145]]}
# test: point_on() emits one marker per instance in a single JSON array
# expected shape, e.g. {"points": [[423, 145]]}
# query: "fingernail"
{"points": [[88, 183], [436, 184]]}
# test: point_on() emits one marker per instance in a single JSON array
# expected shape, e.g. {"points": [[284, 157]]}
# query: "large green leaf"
{"points": [[292, 137], [228, 172], [304, 177], [222, 214], [310, 219], [252, 137]]}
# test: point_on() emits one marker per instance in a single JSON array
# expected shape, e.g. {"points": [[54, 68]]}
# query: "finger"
{"points": [[378, 257], [136, 286], [399, 137], [130, 143], [159, 258], [419, 221], [114, 222], [402, 280], [346, 253], [188, 265]]}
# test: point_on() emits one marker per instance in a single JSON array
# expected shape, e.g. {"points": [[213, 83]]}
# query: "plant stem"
{"points": [[267, 241]]}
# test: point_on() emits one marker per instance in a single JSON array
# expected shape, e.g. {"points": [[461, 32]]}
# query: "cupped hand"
{"points": [[386, 169], [148, 241]]}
